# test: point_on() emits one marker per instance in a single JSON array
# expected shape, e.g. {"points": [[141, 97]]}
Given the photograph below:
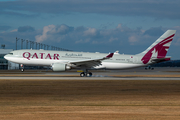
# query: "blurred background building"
{"points": [[4, 64]]}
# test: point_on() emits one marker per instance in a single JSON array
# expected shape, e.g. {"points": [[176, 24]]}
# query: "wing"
{"points": [[90, 62]]}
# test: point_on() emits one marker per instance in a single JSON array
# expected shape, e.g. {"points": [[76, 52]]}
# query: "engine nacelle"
{"points": [[60, 67]]}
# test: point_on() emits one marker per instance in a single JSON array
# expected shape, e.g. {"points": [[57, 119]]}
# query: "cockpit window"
{"points": [[10, 53]]}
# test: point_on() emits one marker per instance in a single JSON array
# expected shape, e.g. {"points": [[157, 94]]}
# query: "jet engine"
{"points": [[60, 67]]}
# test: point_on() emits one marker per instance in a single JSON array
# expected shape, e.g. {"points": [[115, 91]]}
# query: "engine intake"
{"points": [[60, 67]]}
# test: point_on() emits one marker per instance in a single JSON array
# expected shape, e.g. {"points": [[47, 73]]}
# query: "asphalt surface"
{"points": [[88, 78], [98, 75]]}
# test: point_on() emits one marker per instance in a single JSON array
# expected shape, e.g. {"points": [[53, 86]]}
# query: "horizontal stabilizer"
{"points": [[158, 60]]}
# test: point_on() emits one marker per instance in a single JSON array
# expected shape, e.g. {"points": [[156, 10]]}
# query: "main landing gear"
{"points": [[149, 68], [83, 74], [86, 74]]}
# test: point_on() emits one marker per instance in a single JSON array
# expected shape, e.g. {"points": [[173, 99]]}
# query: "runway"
{"points": [[88, 78], [132, 74]]}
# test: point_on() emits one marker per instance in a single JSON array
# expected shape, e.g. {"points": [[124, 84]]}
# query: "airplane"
{"points": [[67, 60]]}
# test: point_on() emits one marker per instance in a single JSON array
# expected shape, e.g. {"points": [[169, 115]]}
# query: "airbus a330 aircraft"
{"points": [[66, 60]]}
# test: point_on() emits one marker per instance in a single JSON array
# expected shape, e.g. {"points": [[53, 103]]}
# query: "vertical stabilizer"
{"points": [[159, 48]]}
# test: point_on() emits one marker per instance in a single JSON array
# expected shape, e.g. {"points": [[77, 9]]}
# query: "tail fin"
{"points": [[159, 48]]}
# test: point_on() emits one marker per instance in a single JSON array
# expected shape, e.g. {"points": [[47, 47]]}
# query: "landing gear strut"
{"points": [[22, 68], [86, 74]]}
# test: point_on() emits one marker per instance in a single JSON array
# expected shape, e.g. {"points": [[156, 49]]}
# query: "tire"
{"points": [[82, 74], [89, 74]]}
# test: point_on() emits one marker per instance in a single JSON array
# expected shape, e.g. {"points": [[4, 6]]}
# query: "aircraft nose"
{"points": [[6, 57]]}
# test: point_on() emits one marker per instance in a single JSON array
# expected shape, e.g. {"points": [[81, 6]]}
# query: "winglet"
{"points": [[110, 55]]}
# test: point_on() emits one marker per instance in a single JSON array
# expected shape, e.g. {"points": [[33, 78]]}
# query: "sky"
{"points": [[129, 26]]}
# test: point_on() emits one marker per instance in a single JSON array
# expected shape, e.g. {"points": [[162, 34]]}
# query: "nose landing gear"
{"points": [[22, 68]]}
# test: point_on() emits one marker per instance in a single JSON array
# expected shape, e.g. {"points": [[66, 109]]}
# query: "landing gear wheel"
{"points": [[89, 74], [82, 74]]}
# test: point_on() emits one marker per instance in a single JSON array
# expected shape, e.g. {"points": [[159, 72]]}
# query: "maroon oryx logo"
{"points": [[159, 50]]}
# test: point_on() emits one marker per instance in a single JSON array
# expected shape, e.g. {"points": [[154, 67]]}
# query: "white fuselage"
{"points": [[48, 57]]}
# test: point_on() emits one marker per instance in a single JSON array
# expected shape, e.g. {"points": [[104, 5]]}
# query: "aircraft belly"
{"points": [[120, 65]]}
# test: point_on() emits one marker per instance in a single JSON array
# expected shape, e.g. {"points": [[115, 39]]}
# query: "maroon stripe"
{"points": [[167, 38]]}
